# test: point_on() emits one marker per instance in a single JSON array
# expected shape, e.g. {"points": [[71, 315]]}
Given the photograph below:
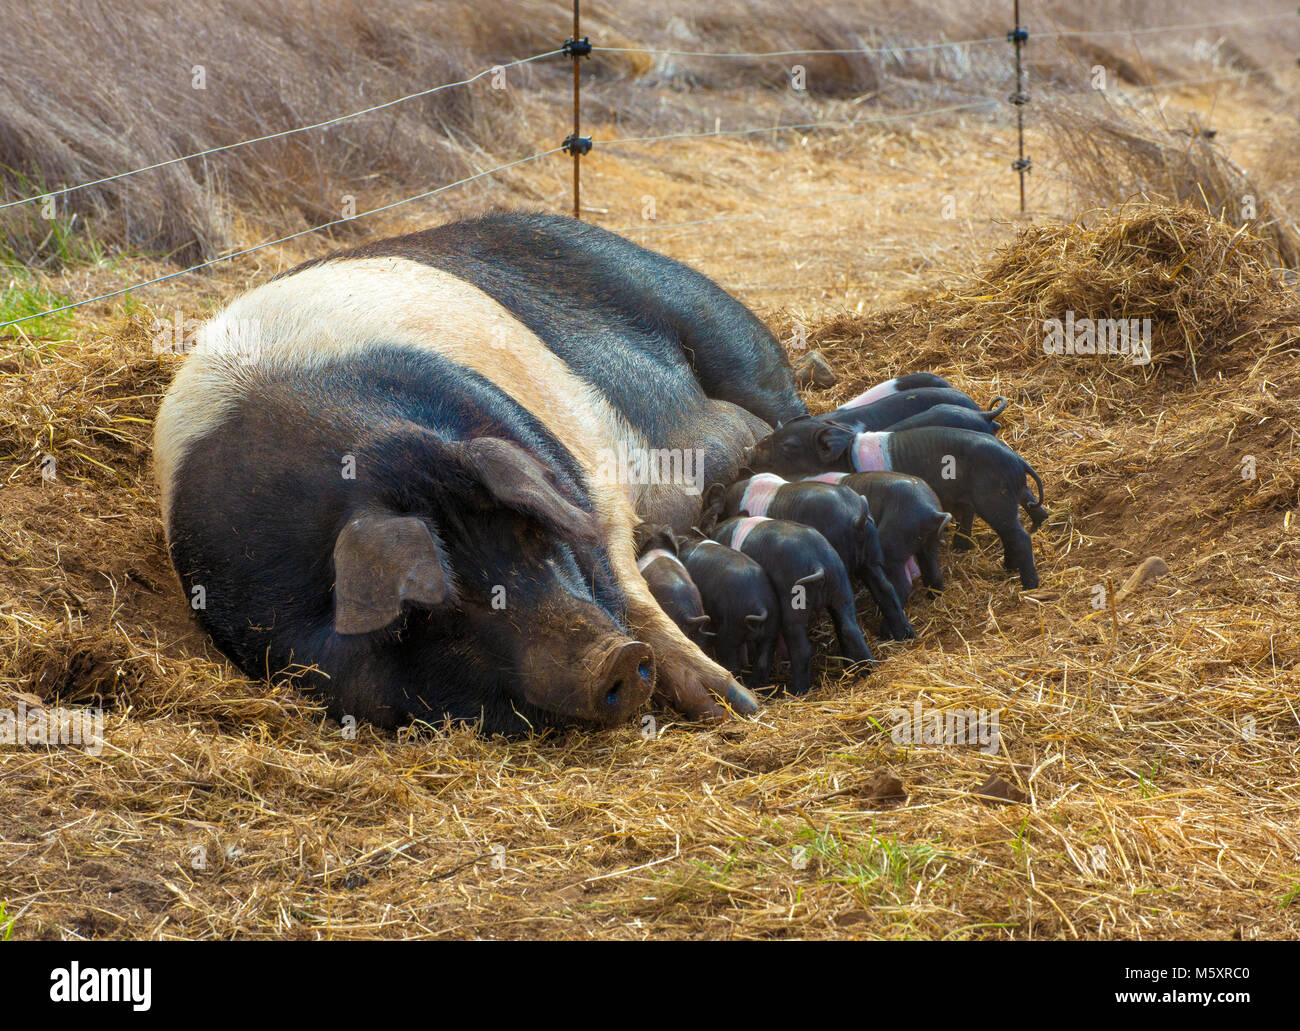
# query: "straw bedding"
{"points": [[1145, 783]]}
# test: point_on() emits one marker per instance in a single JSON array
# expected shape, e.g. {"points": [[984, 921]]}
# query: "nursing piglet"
{"points": [[956, 416], [741, 606], [839, 514], [909, 523], [668, 579], [894, 408], [807, 576]]}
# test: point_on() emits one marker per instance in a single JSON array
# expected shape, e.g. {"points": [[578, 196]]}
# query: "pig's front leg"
{"points": [[686, 679]]}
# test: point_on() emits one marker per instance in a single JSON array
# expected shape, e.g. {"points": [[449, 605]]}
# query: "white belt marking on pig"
{"points": [[655, 553], [890, 386], [743, 528], [348, 305], [871, 452], [760, 492], [831, 478]]}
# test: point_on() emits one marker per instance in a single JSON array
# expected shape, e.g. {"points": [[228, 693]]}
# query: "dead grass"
{"points": [[1155, 738], [93, 89], [85, 95], [1110, 155]]}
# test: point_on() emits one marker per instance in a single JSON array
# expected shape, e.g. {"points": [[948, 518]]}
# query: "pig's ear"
{"points": [[381, 562], [831, 442], [642, 535], [517, 480], [653, 535]]}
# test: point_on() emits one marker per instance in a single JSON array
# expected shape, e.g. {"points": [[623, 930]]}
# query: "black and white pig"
{"points": [[957, 417], [909, 524], [839, 514], [669, 580], [741, 606], [411, 471], [972, 473], [808, 577], [897, 385], [894, 408]]}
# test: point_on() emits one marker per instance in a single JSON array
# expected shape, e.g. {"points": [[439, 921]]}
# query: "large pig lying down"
{"points": [[410, 468]]}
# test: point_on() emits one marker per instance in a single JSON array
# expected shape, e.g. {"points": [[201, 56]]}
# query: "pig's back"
{"points": [[337, 314], [654, 336]]}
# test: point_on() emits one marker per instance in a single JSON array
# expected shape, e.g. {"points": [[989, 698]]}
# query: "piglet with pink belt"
{"points": [[807, 577], [842, 516], [909, 523]]}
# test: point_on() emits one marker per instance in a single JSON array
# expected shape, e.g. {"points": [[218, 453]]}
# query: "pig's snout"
{"points": [[623, 684], [605, 684]]}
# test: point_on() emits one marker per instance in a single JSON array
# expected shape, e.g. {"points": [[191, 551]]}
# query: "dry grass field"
{"points": [[1148, 731]]}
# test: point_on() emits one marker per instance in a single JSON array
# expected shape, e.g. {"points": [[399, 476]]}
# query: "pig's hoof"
{"points": [[695, 692], [741, 699]]}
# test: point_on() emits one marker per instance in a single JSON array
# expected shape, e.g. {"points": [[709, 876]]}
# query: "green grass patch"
{"points": [[23, 296], [877, 869]]}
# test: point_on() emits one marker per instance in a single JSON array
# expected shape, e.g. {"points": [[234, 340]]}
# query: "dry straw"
{"points": [[1153, 736]]}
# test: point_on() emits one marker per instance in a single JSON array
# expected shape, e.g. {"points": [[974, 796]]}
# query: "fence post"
{"points": [[1019, 36], [576, 144]]}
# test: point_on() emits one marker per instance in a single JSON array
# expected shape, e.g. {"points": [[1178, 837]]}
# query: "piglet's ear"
{"points": [[832, 441], [380, 563], [647, 536], [642, 535], [517, 480]]}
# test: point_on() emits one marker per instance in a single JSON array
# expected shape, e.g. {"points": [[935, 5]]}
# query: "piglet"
{"points": [[956, 416], [893, 408], [909, 522], [741, 605], [839, 514], [807, 576], [972, 473], [897, 385], [668, 579]]}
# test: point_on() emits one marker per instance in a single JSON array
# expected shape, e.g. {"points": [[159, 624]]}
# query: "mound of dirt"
{"points": [[1214, 296]]}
